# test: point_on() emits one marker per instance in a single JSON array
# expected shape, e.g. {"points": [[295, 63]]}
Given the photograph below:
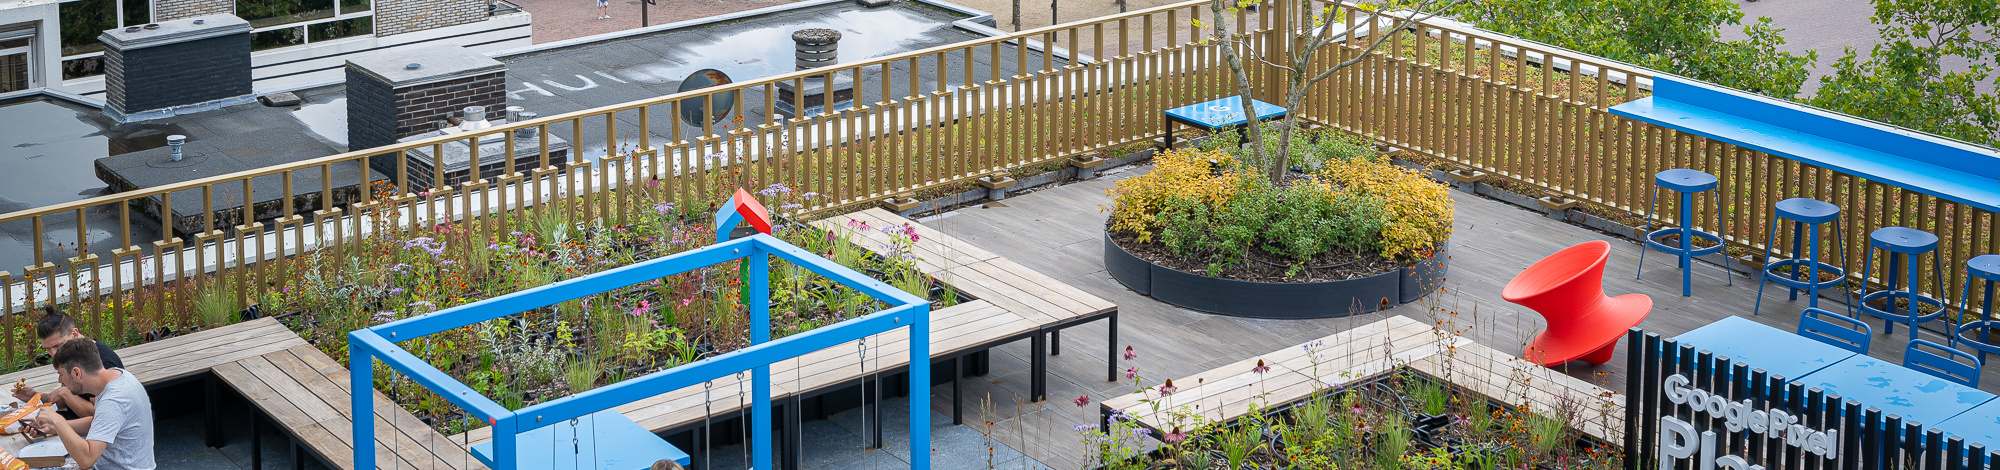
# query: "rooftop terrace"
{"points": [[1530, 129]]}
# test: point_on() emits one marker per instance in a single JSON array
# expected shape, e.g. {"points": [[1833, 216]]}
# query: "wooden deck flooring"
{"points": [[1058, 232]]}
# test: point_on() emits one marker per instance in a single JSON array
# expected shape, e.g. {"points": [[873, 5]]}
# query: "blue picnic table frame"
{"points": [[1217, 114], [905, 310]]}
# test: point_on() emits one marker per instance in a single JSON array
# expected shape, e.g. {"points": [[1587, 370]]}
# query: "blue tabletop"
{"points": [[1915, 396], [616, 442], [1776, 351], [1223, 112], [1980, 425]]}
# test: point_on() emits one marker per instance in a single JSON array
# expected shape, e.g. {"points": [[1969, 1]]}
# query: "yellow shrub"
{"points": [[1136, 201], [1419, 210]]}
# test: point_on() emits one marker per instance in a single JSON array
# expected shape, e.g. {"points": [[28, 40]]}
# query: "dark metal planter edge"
{"points": [[1269, 299]]}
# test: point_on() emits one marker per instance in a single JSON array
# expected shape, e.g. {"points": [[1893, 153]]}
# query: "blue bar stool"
{"points": [[1687, 182], [1901, 245], [1804, 264], [1985, 268]]}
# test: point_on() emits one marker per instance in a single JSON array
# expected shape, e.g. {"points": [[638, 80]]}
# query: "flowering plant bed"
{"points": [[1403, 419], [548, 353], [1206, 230]]}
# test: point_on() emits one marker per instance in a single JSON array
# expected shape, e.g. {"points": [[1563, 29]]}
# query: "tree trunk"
{"points": [[1235, 62], [1017, 15]]}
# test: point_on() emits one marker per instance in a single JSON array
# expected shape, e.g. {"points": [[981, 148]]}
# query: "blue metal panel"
{"points": [[1936, 166], [605, 439]]}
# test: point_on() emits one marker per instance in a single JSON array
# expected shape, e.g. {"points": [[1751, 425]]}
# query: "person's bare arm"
{"points": [[75, 404], [84, 451]]}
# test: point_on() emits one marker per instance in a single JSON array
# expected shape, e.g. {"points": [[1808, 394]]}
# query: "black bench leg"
{"points": [[214, 411], [1055, 342], [256, 442], [1037, 368], [1170, 135], [298, 455], [1111, 357], [957, 396]]}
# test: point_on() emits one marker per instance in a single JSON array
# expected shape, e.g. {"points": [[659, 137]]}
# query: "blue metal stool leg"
{"points": [[1652, 206], [1867, 269], [1798, 228], [1812, 273], [1763, 263], [1721, 235], [1687, 244]]}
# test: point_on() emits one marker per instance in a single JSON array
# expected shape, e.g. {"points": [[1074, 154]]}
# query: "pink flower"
{"points": [[1131, 372], [1082, 400], [1129, 354], [1261, 368], [1168, 388], [1174, 437]]}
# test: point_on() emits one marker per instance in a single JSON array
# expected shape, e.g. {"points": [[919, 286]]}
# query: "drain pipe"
{"points": [[175, 141]]}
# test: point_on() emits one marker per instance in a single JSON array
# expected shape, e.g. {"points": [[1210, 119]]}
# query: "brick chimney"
{"points": [[190, 64], [393, 94]]}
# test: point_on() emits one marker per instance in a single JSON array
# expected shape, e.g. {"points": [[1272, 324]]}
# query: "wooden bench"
{"points": [[1232, 391], [188, 357], [1513, 381], [301, 389], [1225, 393], [1057, 305], [956, 332], [307, 394]]}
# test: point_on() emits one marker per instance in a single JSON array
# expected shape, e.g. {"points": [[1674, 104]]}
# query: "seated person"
{"points": [[121, 433], [666, 464], [56, 328]]}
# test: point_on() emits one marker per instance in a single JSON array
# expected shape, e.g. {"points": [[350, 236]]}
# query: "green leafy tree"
{"points": [[1904, 79], [1682, 37]]}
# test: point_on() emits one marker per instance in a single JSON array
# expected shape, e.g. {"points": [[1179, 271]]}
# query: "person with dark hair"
{"points": [[56, 328], [121, 433]]}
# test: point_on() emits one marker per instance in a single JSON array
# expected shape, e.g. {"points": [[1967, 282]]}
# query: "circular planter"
{"points": [[1272, 299]]}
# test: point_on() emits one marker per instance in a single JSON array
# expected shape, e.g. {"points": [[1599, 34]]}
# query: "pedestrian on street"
{"points": [[603, 9]]}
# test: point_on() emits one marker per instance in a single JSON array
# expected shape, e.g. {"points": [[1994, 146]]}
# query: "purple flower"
{"points": [[1131, 372], [1168, 388], [395, 291], [400, 267], [1261, 368], [384, 315], [514, 234], [663, 208], [1130, 354], [1085, 427]]}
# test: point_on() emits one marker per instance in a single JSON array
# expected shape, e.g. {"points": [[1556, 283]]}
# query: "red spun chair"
{"points": [[1567, 288]]}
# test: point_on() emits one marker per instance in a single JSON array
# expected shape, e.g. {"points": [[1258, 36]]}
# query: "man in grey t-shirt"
{"points": [[121, 435]]}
